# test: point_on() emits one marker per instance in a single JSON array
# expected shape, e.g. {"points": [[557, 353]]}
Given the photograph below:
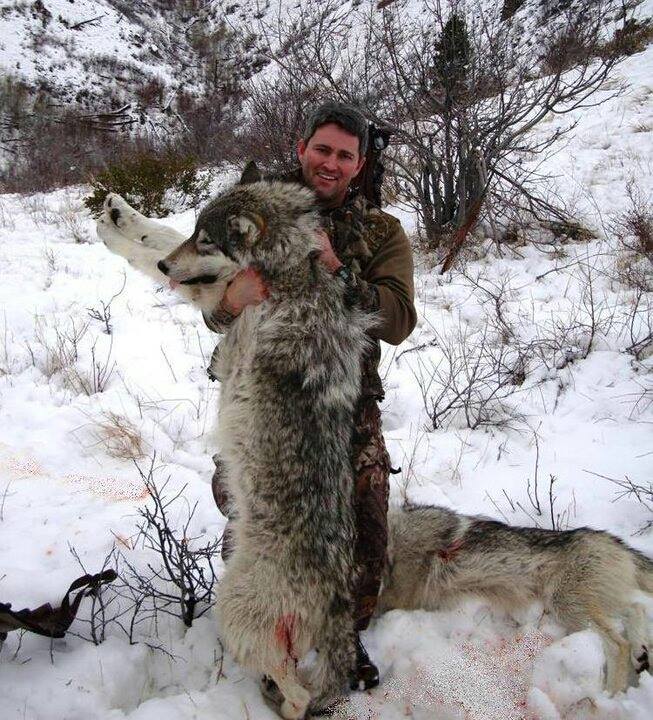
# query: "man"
{"points": [[369, 250]]}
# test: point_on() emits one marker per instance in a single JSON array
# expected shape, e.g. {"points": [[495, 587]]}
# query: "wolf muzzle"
{"points": [[204, 279]]}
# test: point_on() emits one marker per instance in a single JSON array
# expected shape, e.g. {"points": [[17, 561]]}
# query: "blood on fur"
{"points": [[448, 553], [285, 634]]}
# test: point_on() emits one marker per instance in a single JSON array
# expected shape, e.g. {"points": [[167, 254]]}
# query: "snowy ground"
{"points": [[64, 480]]}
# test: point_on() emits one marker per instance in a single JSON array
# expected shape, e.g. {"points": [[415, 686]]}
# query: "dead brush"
{"points": [[634, 227], [59, 355], [74, 226], [6, 220], [117, 436]]}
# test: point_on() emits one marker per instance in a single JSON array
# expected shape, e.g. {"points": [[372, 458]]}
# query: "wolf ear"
{"points": [[251, 174], [246, 226]]}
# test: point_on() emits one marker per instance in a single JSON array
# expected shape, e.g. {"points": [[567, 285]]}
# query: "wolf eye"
{"points": [[204, 239]]}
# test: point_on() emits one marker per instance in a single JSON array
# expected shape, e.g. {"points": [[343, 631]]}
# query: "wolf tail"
{"points": [[644, 568]]}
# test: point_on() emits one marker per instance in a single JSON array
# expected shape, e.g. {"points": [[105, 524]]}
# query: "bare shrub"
{"points": [[182, 584], [37, 209], [103, 313], [633, 229], [470, 384], [554, 342], [639, 324], [540, 511], [633, 37], [177, 579], [276, 113], [642, 492], [634, 226], [458, 91], [61, 356], [208, 125], [6, 342], [104, 606], [6, 219], [69, 217]]}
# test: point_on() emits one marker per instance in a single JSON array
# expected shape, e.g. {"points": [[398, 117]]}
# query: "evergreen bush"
{"points": [[155, 185]]}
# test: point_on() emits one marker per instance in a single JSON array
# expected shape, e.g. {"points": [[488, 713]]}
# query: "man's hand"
{"points": [[327, 256], [247, 288]]}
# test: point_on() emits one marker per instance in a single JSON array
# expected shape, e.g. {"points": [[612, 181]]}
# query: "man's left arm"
{"points": [[389, 276]]}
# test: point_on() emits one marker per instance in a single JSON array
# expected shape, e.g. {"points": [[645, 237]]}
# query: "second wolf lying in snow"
{"points": [[286, 367]]}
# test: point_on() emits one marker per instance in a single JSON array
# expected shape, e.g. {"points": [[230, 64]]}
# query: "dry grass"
{"points": [[71, 220], [118, 436], [57, 353]]}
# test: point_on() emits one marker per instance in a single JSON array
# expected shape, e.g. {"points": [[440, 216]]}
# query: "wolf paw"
{"points": [[116, 209], [271, 693], [641, 660], [122, 215]]}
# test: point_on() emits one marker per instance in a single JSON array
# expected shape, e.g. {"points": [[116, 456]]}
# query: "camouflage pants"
{"points": [[371, 472]]}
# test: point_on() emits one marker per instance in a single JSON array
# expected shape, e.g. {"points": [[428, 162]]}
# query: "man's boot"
{"points": [[367, 673]]}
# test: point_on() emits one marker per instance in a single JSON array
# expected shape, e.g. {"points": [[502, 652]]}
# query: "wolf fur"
{"points": [[585, 578], [290, 374], [281, 365]]}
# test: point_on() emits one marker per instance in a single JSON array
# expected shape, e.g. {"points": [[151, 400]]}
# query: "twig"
{"points": [[86, 22], [4, 497], [174, 377]]}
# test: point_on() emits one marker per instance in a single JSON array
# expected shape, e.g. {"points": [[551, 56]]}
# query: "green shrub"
{"points": [[154, 185]]}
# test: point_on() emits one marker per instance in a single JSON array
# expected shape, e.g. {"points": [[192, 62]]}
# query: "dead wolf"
{"points": [[290, 380], [586, 578]]}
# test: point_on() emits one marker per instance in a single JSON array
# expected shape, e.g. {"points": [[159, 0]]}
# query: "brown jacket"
{"points": [[390, 270]]}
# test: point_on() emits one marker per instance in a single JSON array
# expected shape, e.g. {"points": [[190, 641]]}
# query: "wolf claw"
{"points": [[642, 661]]}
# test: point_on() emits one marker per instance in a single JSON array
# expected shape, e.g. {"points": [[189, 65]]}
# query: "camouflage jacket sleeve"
{"points": [[390, 272]]}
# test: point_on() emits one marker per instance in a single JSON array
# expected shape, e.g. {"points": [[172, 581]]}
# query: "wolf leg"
{"points": [[141, 241], [576, 612], [134, 226], [295, 696], [335, 667], [617, 653], [636, 626]]}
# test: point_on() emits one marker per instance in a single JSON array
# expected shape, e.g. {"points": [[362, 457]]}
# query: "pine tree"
{"points": [[452, 53]]}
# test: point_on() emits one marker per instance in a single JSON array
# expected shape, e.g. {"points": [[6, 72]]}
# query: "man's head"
{"points": [[332, 150]]}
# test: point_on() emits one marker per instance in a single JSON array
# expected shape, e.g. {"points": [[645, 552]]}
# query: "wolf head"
{"points": [[264, 224]]}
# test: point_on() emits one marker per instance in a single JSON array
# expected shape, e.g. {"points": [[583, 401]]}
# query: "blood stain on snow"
{"points": [[109, 487], [484, 681]]}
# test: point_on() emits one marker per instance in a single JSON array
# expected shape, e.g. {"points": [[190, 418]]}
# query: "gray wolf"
{"points": [[585, 578], [290, 374]]}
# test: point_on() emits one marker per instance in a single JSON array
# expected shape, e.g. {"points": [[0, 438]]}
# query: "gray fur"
{"points": [[290, 374], [586, 578]]}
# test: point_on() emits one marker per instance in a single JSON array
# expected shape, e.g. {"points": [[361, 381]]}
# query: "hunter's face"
{"points": [[330, 160]]}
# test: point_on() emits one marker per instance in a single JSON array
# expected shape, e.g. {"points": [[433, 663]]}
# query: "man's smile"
{"points": [[326, 176]]}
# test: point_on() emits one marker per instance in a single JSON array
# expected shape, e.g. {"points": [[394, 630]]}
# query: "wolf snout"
{"points": [[163, 267]]}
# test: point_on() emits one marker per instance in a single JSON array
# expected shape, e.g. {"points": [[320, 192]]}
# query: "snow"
{"points": [[62, 485]]}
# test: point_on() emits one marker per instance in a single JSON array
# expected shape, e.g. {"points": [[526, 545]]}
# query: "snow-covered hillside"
{"points": [[103, 55], [85, 49], [77, 402]]}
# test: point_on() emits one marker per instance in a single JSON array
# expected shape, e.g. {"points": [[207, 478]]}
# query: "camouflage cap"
{"points": [[346, 116]]}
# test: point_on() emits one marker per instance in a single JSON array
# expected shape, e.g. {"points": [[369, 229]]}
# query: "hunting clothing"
{"points": [[373, 245]]}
